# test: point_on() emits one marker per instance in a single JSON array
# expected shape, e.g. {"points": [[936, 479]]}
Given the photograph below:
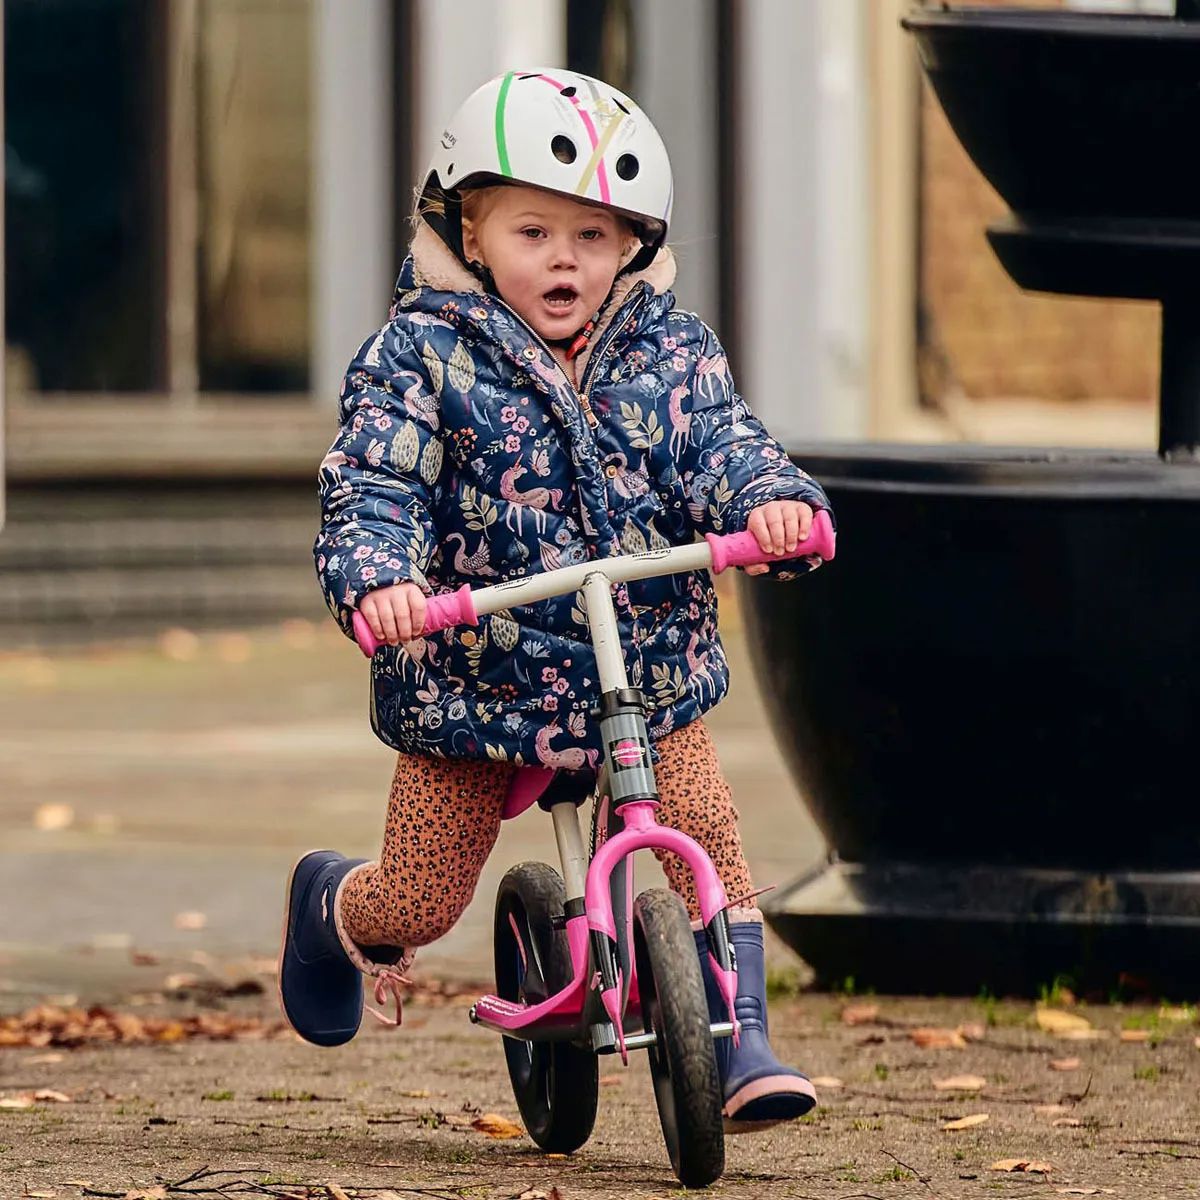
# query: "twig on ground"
{"points": [[1077, 1099], [908, 1167]]}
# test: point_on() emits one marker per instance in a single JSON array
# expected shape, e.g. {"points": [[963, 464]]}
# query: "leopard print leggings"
{"points": [[444, 817]]}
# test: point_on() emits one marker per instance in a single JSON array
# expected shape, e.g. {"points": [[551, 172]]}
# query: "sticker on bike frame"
{"points": [[627, 753]]}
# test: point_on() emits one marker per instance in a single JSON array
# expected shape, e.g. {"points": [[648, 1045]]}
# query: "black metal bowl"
{"points": [[1002, 664], [1072, 114]]}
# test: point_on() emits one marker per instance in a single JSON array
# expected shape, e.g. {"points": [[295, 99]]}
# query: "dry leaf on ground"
{"points": [[938, 1039], [966, 1122], [1022, 1164], [973, 1031], [336, 1192], [1135, 1035], [50, 818], [1054, 1020], [16, 1101], [1065, 1064], [496, 1126], [859, 1014], [827, 1081], [1068, 1122], [961, 1083]]}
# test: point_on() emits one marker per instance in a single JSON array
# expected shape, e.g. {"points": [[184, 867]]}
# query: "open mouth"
{"points": [[560, 297]]}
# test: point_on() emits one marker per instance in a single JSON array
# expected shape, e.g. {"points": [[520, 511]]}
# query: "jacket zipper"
{"points": [[580, 394]]}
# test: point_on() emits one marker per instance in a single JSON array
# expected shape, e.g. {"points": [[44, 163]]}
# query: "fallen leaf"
{"points": [[1135, 1035], [1022, 1164], [967, 1122], [973, 1031], [38, 1195], [179, 645], [50, 818], [416, 1094], [938, 1039], [190, 920], [827, 1081], [1065, 1064], [961, 1083], [495, 1126], [49, 1095], [16, 1101], [336, 1192], [39, 1060], [1068, 1123], [859, 1014], [1053, 1020], [1049, 1110], [1078, 1191]]}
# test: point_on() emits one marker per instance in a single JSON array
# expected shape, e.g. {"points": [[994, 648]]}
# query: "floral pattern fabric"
{"points": [[466, 455]]}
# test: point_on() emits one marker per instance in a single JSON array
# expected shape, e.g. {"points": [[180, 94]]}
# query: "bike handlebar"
{"points": [[717, 552]]}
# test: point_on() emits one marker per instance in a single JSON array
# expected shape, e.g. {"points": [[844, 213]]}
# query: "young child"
{"points": [[535, 399]]}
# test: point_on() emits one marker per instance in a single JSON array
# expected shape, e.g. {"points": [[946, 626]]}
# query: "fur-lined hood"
{"points": [[436, 266]]}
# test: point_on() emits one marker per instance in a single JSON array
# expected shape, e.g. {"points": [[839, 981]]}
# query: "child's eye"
{"points": [[532, 232], [591, 235]]}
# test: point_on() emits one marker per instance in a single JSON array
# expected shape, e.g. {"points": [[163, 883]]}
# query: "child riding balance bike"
{"points": [[536, 403]]}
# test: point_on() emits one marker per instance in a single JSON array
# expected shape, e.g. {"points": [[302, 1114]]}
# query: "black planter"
{"points": [[991, 701], [1067, 113]]}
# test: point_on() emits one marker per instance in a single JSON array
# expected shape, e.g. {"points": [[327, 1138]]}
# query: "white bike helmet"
{"points": [[558, 130]]}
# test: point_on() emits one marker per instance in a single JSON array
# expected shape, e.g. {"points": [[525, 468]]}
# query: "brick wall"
{"points": [[981, 335]]}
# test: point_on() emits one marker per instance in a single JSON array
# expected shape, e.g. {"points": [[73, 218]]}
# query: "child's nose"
{"points": [[563, 252]]}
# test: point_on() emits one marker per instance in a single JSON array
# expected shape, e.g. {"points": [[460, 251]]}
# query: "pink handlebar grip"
{"points": [[742, 550], [449, 608]]}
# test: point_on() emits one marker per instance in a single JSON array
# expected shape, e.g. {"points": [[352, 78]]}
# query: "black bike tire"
{"points": [[556, 1084], [683, 1064]]}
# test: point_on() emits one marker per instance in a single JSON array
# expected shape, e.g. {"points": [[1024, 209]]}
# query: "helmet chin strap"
{"points": [[574, 344]]}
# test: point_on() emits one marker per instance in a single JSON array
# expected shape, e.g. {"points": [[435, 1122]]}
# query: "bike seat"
{"points": [[546, 786]]}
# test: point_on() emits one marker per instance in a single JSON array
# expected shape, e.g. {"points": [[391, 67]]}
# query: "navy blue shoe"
{"points": [[320, 987], [759, 1090]]}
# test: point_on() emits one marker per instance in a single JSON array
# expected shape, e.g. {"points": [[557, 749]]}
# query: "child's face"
{"points": [[554, 260]]}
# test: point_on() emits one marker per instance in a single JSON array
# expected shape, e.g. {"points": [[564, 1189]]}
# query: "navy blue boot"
{"points": [[759, 1089], [321, 988]]}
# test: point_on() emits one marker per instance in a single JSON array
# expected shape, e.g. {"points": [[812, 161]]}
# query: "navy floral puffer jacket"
{"points": [[467, 456]]}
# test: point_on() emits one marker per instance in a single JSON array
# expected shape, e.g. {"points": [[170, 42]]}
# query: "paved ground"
{"points": [[196, 772], [142, 784]]}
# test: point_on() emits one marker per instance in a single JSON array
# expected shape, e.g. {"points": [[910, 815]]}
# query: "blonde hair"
{"points": [[477, 203]]}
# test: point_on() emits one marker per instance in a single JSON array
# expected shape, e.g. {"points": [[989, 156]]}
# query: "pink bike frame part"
{"points": [[742, 549], [441, 611], [642, 832], [562, 1009]]}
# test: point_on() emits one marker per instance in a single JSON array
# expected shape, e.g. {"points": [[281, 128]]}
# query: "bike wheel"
{"points": [[683, 1064], [556, 1084]]}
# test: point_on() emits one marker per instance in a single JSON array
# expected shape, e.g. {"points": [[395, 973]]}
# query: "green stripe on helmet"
{"points": [[501, 143]]}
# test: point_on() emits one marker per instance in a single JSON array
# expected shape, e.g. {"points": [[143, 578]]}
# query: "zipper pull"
{"points": [[586, 405]]}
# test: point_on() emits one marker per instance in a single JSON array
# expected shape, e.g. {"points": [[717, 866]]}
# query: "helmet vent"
{"points": [[564, 149], [569, 90], [628, 167], [620, 106]]}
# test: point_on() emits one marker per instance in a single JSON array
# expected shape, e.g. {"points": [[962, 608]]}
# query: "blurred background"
{"points": [[207, 201]]}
